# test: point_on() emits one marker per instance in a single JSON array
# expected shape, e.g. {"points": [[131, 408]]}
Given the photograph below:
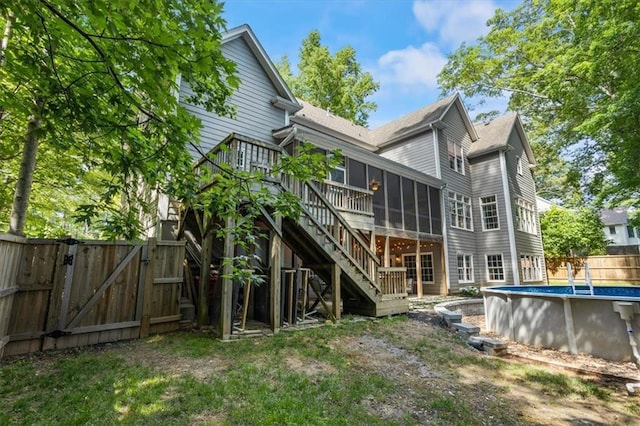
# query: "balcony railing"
{"points": [[393, 281], [251, 155], [347, 198]]}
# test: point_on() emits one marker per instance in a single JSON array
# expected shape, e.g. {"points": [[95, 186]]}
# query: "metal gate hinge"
{"points": [[68, 259], [69, 241]]}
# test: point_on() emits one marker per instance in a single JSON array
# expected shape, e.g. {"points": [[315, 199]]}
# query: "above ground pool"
{"points": [[563, 318]]}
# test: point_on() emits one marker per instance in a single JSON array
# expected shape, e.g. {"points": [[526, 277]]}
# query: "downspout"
{"points": [[509, 209]]}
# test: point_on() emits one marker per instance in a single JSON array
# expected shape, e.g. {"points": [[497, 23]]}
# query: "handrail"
{"points": [[360, 255], [348, 198]]}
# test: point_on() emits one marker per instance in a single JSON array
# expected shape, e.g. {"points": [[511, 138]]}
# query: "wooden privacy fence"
{"points": [[604, 269], [67, 293]]}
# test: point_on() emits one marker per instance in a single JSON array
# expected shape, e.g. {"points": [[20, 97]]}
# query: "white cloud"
{"points": [[411, 66], [454, 22]]}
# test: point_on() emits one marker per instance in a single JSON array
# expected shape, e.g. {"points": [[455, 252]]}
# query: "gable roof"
{"points": [[494, 136], [285, 98], [420, 120]]}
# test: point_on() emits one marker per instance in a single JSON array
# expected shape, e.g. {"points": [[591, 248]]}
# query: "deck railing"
{"points": [[249, 155], [347, 198], [393, 281]]}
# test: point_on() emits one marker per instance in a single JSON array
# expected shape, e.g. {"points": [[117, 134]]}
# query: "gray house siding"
{"points": [[255, 116], [523, 186], [416, 153], [487, 180], [459, 241]]}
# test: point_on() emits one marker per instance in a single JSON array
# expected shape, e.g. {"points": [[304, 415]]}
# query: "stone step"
{"points": [[466, 331], [489, 345]]}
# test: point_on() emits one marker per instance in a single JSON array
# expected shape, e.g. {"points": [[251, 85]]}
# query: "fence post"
{"points": [[147, 294]]}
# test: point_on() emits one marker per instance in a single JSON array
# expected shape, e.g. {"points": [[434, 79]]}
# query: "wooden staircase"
{"points": [[322, 237]]}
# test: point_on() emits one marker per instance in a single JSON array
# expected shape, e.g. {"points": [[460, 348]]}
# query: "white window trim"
{"points": [[456, 155], [519, 165], [433, 266], [486, 265], [535, 269], [526, 216], [467, 205], [482, 216], [465, 266]]}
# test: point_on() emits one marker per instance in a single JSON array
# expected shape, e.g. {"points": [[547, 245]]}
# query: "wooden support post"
{"points": [[203, 285], [245, 303], [275, 283], [303, 276], [418, 268], [335, 290], [226, 302], [147, 295], [443, 274], [291, 281], [386, 263]]}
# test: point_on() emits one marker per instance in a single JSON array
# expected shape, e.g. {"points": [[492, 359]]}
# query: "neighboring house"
{"points": [[451, 201], [543, 205], [623, 237]]}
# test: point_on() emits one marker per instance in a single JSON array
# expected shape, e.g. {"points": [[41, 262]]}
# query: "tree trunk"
{"points": [[5, 37], [25, 178]]}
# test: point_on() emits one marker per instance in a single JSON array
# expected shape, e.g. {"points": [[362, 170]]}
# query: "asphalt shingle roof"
{"points": [[493, 135], [407, 123], [617, 216]]}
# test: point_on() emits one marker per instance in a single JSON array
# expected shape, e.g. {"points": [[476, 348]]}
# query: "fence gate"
{"points": [[75, 293], [94, 296]]}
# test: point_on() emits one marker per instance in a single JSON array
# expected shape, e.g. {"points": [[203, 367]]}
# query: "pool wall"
{"points": [[573, 323]]}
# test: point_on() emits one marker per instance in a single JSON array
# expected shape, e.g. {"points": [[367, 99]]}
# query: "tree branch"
{"points": [[103, 55]]}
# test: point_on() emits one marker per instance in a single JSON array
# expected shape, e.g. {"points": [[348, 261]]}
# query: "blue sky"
{"points": [[403, 43]]}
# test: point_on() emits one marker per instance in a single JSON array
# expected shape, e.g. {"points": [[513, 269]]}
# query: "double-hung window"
{"points": [[530, 267], [519, 165], [495, 267], [489, 209], [460, 211], [456, 156], [465, 268], [526, 216]]}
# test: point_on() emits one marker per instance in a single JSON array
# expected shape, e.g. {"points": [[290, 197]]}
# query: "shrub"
{"points": [[469, 291]]}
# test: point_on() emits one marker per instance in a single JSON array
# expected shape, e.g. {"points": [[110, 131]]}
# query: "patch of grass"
{"points": [[562, 385]]}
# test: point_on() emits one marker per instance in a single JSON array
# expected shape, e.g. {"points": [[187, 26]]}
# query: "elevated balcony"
{"points": [[251, 155]]}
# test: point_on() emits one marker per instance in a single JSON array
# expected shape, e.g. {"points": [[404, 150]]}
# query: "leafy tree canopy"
{"points": [[570, 67], [335, 83], [88, 89], [569, 233]]}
